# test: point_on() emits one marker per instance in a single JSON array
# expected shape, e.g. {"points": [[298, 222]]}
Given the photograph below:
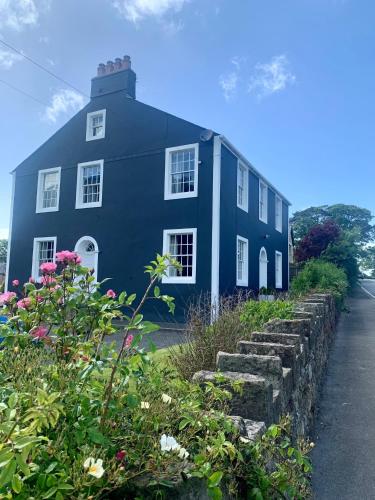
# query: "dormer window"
{"points": [[95, 128]]}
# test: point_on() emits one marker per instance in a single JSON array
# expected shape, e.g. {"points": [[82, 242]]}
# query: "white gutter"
{"points": [[215, 239], [239, 155]]}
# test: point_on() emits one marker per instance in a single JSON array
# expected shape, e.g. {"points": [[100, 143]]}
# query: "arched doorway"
{"points": [[263, 264], [88, 250]]}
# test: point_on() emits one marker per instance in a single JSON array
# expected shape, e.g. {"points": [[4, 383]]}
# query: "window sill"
{"points": [[46, 210], [88, 139], [245, 209], [178, 281], [88, 205], [179, 196], [265, 221]]}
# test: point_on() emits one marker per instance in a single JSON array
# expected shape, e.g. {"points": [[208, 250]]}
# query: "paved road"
{"points": [[344, 456]]}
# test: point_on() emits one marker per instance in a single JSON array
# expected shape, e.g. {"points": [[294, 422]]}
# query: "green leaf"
{"points": [[65, 486], [51, 467], [214, 479], [50, 492], [156, 291], [23, 465], [215, 493], [12, 401], [5, 457], [132, 400], [17, 483], [8, 472], [96, 436]]}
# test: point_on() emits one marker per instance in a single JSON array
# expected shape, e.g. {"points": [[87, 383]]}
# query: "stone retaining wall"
{"points": [[281, 368]]}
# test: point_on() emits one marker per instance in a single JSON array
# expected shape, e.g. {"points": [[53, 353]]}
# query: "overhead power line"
{"points": [[40, 66], [23, 92]]}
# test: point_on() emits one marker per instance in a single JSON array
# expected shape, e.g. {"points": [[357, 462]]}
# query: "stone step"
{"points": [[269, 367], [277, 338], [301, 327], [287, 353], [254, 401]]}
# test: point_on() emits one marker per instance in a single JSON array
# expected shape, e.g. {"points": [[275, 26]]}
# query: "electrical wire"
{"points": [[23, 92], [40, 66]]}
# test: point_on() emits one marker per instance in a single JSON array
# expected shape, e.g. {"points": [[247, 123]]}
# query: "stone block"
{"points": [[277, 338], [287, 353], [254, 401], [269, 367]]}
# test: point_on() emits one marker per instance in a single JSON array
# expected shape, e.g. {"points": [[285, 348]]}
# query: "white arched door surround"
{"points": [[87, 248], [263, 265]]}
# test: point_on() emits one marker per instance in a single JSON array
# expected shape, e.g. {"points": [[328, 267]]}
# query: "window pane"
{"points": [[91, 184], [181, 249], [182, 171], [45, 252], [97, 125], [50, 186]]}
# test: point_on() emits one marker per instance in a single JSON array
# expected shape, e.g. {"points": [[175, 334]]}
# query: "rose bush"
{"points": [[80, 419]]}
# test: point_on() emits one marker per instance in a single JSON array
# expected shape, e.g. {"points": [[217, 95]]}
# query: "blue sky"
{"points": [[291, 83]]}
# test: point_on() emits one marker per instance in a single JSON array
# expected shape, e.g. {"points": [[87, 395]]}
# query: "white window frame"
{"points": [[245, 279], [79, 188], [278, 214], [89, 127], [39, 195], [245, 193], [35, 262], [168, 195], [181, 279], [278, 276], [263, 217]]}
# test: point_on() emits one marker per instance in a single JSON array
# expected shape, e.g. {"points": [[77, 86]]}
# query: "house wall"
{"points": [[129, 226], [235, 221]]}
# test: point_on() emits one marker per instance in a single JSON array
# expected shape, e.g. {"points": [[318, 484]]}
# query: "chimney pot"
{"points": [[118, 64], [126, 63], [109, 67], [101, 69]]}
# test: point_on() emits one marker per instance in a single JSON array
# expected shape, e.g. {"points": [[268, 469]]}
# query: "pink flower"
{"points": [[6, 297], [40, 332], [128, 341], [31, 280], [120, 455], [48, 267], [111, 294], [39, 298], [47, 280], [24, 303], [15, 282], [67, 257]]}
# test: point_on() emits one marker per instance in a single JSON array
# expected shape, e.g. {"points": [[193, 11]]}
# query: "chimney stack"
{"points": [[114, 77]]}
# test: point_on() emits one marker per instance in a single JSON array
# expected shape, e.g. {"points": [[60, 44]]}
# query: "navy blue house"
{"points": [[123, 180]]}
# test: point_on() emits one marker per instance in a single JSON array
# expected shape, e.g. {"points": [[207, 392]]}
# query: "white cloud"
{"points": [[4, 233], [229, 81], [16, 14], [64, 101], [137, 10], [8, 58], [228, 84], [271, 77]]}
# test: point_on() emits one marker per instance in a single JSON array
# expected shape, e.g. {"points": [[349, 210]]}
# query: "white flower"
{"points": [[183, 453], [168, 443], [94, 468], [244, 440], [166, 399], [145, 405]]}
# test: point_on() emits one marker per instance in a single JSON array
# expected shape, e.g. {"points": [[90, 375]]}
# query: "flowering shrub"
{"points": [[81, 420]]}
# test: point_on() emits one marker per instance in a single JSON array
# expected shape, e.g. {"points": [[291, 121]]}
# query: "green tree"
{"points": [[350, 218], [3, 250]]}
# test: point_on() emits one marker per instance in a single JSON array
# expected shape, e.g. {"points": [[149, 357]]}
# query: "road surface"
{"points": [[344, 456]]}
